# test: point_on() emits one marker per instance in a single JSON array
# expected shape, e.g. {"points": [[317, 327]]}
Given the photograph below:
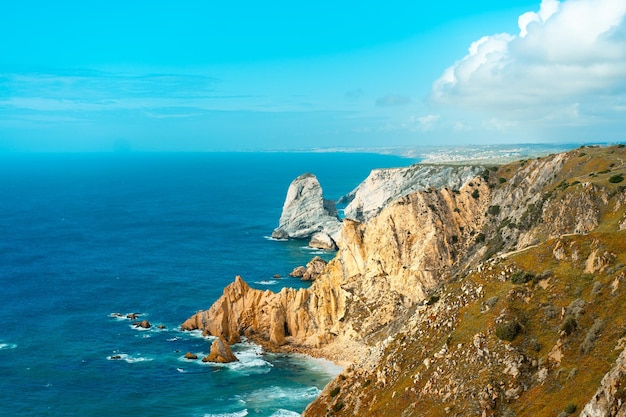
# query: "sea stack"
{"points": [[306, 213]]}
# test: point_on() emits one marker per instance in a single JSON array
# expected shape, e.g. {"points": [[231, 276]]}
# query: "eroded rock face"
{"points": [[383, 186], [306, 212]]}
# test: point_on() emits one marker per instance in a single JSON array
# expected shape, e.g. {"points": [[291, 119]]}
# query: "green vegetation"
{"points": [[522, 277], [475, 194], [493, 210], [614, 179], [501, 180], [335, 391], [570, 408], [508, 330]]}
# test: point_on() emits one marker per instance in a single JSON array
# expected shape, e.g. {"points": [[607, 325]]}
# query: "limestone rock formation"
{"points": [[322, 240], [306, 212], [383, 186], [220, 352]]}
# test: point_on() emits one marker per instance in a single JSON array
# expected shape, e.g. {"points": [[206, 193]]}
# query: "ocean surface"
{"points": [[84, 236]]}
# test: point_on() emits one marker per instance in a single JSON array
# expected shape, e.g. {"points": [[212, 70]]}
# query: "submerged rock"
{"points": [[306, 212], [220, 352]]}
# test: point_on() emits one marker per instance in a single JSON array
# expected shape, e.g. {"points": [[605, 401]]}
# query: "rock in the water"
{"points": [[321, 240], [306, 212], [298, 272], [191, 356], [220, 352], [314, 269], [144, 324]]}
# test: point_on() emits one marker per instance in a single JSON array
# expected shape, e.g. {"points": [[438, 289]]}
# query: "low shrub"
{"points": [[522, 277], [335, 391], [508, 330], [569, 325], [614, 179], [493, 210]]}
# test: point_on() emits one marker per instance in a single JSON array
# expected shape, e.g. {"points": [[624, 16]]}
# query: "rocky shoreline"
{"points": [[408, 273]]}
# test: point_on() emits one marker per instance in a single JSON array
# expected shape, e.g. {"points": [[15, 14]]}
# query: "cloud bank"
{"points": [[567, 65]]}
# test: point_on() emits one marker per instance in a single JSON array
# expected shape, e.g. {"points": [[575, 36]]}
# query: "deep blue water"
{"points": [[83, 236]]}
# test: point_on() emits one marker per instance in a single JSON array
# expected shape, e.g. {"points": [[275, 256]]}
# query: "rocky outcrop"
{"points": [[144, 324], [314, 269], [306, 212], [610, 399], [321, 240], [383, 186], [220, 352]]}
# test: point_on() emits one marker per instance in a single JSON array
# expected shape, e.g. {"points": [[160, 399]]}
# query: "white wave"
{"points": [[181, 370], [323, 365], [173, 339], [285, 413], [127, 358], [7, 346], [274, 239], [241, 413], [275, 395], [198, 335], [266, 282], [140, 329]]}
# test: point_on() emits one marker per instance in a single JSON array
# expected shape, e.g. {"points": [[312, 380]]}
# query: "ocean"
{"points": [[85, 236]]}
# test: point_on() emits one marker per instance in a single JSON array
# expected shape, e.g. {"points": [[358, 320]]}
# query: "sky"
{"points": [[200, 75]]}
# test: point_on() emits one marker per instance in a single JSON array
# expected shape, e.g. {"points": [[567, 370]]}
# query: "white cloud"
{"points": [[568, 61], [428, 122]]}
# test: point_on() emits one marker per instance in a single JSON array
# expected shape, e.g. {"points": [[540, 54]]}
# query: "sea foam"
{"points": [[241, 413]]}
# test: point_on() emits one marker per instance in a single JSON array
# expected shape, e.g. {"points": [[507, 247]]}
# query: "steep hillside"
{"points": [[502, 297]]}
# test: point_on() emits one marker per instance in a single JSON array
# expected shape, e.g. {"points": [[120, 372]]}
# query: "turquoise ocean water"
{"points": [[86, 235]]}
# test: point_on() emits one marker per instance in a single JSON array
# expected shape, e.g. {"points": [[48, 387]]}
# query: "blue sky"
{"points": [[201, 75]]}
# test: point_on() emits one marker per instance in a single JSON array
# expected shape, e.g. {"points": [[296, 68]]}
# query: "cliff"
{"points": [[383, 186], [500, 297]]}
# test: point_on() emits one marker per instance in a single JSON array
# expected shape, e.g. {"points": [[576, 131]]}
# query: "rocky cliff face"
{"points": [[383, 186], [501, 297], [307, 213]]}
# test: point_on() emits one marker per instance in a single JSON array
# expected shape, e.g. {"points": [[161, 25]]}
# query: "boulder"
{"points": [[144, 324], [220, 352], [322, 240], [298, 272], [306, 212], [191, 356]]}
